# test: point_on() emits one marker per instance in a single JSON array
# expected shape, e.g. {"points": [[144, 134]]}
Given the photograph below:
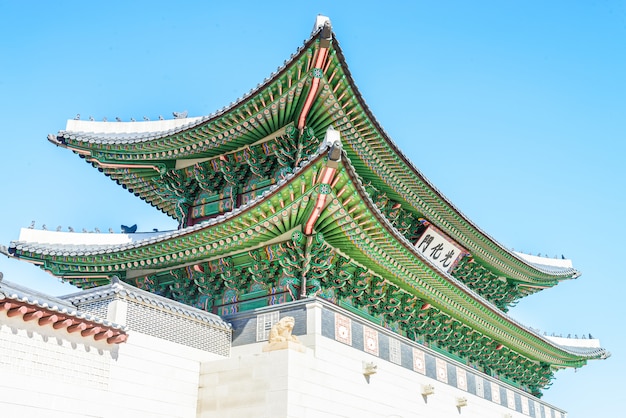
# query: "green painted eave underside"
{"points": [[348, 223]]}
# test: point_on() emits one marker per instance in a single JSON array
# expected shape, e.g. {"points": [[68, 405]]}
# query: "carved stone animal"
{"points": [[281, 331]]}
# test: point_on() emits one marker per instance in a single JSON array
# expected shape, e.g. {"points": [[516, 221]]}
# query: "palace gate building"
{"points": [[292, 202]]}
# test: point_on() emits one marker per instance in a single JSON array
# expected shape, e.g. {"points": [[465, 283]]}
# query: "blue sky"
{"points": [[515, 110]]}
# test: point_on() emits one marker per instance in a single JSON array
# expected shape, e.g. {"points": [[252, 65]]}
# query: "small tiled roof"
{"points": [[119, 288], [31, 305], [78, 243]]}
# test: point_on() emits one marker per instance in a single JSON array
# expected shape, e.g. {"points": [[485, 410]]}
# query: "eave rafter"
{"points": [[155, 190]]}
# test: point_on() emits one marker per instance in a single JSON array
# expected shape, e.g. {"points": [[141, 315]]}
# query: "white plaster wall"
{"points": [[51, 373]]}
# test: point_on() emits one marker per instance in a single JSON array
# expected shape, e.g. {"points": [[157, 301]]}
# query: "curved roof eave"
{"points": [[103, 133], [56, 244], [486, 307], [587, 353], [561, 274]]}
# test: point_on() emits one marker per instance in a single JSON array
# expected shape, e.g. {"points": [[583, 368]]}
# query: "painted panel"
{"points": [[495, 393], [442, 371], [419, 361], [510, 399], [480, 386], [264, 324], [461, 378], [343, 329], [395, 353], [370, 341], [525, 407]]}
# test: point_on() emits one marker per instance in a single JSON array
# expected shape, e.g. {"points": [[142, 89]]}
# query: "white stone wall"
{"points": [[331, 382], [249, 384], [156, 378], [327, 380], [51, 373]]}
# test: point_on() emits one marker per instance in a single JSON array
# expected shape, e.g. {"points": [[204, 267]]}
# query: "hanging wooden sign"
{"points": [[439, 249]]}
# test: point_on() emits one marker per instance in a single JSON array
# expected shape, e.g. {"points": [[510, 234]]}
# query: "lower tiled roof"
{"points": [[31, 305]]}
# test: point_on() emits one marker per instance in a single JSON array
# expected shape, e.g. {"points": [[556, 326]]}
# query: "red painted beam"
{"points": [[17, 311], [51, 319], [5, 306], [91, 331], [62, 324], [81, 326], [33, 315], [101, 336], [116, 339]]}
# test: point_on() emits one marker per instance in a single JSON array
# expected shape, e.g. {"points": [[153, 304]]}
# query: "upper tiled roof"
{"points": [[78, 243], [126, 132]]}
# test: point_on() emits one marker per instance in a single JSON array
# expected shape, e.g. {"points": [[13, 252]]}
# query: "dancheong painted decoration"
{"points": [[295, 191]]}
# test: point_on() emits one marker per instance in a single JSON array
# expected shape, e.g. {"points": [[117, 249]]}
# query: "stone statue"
{"points": [[281, 336], [281, 331]]}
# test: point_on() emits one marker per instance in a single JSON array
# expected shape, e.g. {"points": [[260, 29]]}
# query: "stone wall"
{"points": [[328, 378], [344, 366]]}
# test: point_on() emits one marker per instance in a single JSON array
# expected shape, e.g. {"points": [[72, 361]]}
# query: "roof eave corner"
{"points": [[322, 23]]}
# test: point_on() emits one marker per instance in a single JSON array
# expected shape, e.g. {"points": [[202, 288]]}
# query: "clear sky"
{"points": [[515, 110]]}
